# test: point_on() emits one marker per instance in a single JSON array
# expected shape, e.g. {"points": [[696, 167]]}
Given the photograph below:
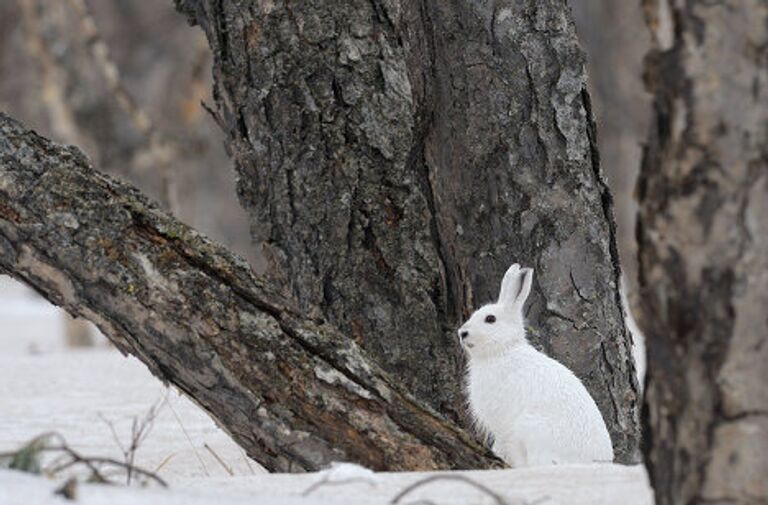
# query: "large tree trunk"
{"points": [[704, 252], [291, 390], [396, 156]]}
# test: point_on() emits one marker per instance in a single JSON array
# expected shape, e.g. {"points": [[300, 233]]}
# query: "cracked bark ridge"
{"points": [[292, 391], [703, 238], [396, 156]]}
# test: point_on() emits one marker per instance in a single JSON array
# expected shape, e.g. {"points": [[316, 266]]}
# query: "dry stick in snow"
{"points": [[218, 458], [292, 390], [189, 440], [248, 463], [497, 498], [139, 433], [164, 462], [71, 457], [91, 462], [326, 481]]}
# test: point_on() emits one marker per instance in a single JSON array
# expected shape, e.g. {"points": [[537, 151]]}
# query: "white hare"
{"points": [[537, 411]]}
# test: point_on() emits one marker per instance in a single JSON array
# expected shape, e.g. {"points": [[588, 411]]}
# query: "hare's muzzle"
{"points": [[463, 335]]}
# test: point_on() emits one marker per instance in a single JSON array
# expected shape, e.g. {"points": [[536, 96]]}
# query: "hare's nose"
{"points": [[463, 333]]}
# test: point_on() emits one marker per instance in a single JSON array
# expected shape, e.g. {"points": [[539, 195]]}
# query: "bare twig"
{"points": [[248, 463], [70, 457], [213, 115], [189, 439], [140, 430], [92, 463], [325, 482], [497, 498], [221, 461], [115, 436], [164, 462]]}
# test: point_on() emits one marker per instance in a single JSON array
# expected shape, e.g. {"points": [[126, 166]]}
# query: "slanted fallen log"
{"points": [[291, 390]]}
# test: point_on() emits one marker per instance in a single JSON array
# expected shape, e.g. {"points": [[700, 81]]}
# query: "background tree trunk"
{"points": [[292, 391], [133, 106], [55, 81], [615, 38], [704, 252], [396, 156]]}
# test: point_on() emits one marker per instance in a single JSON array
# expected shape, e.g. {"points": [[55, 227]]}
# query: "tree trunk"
{"points": [[123, 81], [704, 254], [396, 156], [291, 390], [615, 38]]}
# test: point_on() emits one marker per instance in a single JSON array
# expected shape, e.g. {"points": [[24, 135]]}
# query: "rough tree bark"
{"points": [[396, 156], [703, 238], [292, 391]]}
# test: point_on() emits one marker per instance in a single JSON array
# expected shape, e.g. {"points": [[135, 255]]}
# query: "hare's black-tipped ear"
{"points": [[526, 282], [516, 286]]}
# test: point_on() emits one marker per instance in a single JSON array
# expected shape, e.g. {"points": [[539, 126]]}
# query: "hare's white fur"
{"points": [[537, 411]]}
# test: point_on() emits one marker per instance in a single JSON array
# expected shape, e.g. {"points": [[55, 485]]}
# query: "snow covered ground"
{"points": [[45, 386]]}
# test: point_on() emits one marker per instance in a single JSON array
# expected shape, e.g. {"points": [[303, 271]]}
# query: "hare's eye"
{"points": [[490, 319]]}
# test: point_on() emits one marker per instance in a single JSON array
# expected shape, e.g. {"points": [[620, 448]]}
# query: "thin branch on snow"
{"points": [[226, 467], [497, 498], [140, 430], [325, 481], [69, 457], [92, 463], [189, 440]]}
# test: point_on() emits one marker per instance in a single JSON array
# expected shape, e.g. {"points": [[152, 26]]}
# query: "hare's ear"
{"points": [[516, 286]]}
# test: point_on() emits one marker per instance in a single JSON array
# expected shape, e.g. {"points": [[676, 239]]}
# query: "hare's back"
{"points": [[558, 407]]}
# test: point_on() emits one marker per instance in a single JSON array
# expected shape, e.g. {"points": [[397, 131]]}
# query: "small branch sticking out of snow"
{"points": [[218, 458], [340, 474], [497, 498], [189, 439], [140, 430], [68, 458]]}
